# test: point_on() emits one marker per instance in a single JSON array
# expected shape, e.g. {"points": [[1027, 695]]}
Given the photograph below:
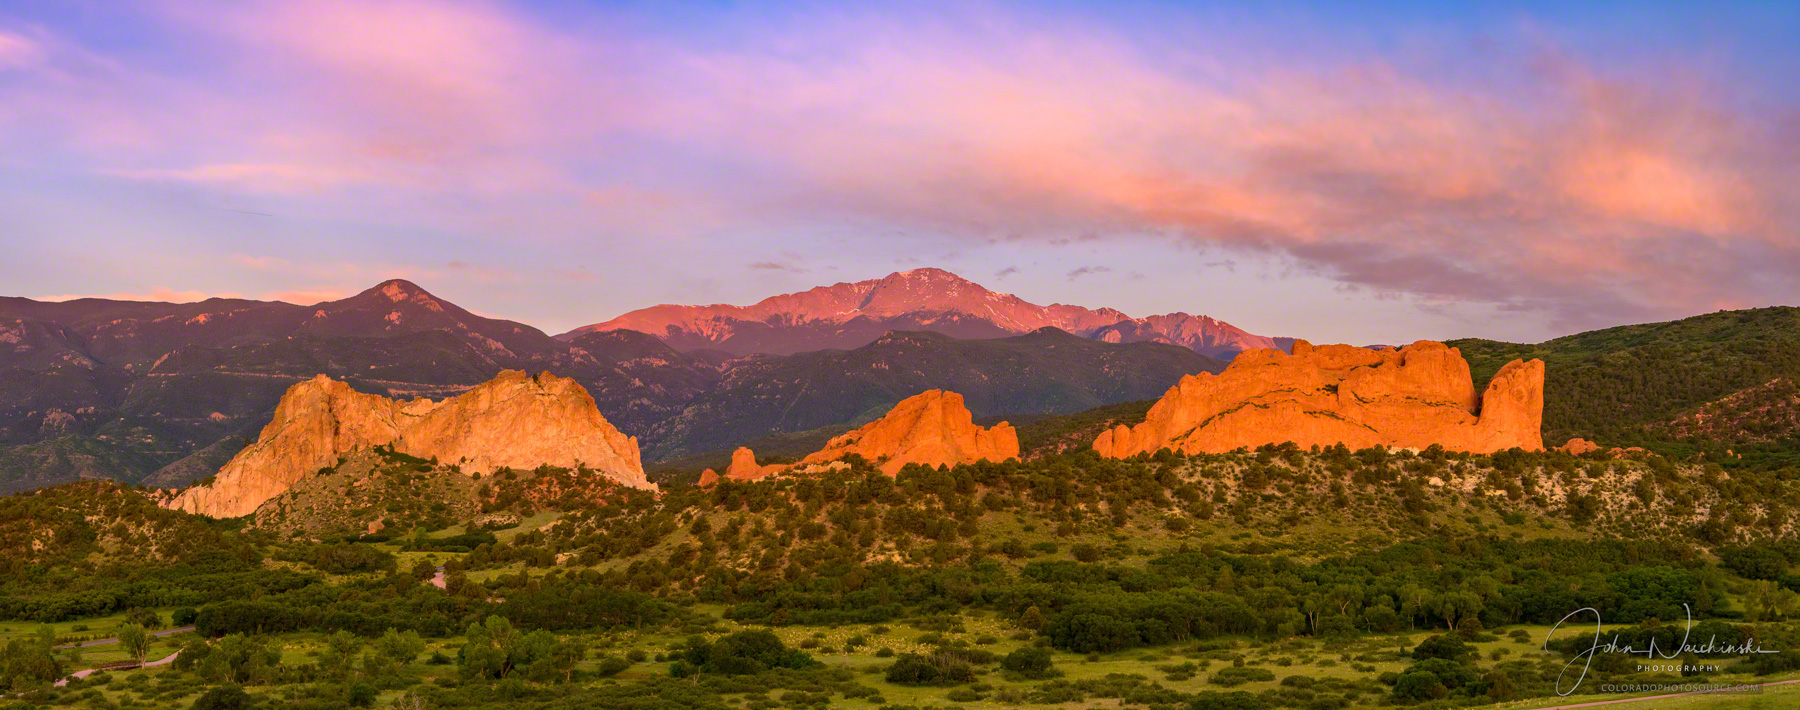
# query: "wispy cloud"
{"points": [[306, 297], [1086, 270], [1541, 183], [778, 266], [578, 274], [158, 293]]}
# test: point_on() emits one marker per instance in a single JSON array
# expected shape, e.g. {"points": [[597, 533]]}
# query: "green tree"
{"points": [[338, 657], [136, 642], [1033, 618], [568, 654], [238, 658], [392, 652], [29, 662], [224, 697], [495, 649]]}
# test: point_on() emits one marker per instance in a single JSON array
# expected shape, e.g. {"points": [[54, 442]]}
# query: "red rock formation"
{"points": [[1578, 446], [513, 420], [744, 467], [1412, 397], [931, 428]]}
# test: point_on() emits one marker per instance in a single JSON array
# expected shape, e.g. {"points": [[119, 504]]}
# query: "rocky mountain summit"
{"points": [[514, 420], [849, 315], [1416, 396]]}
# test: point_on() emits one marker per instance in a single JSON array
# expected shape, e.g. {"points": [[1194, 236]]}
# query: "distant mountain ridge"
{"points": [[849, 315], [164, 393]]}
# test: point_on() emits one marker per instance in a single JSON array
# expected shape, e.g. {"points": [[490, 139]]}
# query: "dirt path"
{"points": [[77, 675], [438, 579]]}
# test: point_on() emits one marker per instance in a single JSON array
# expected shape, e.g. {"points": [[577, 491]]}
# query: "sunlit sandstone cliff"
{"points": [[1413, 397], [514, 420], [931, 428]]}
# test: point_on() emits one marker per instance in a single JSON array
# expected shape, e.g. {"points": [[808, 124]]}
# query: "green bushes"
{"points": [[581, 606], [742, 653], [1446, 646], [224, 697], [465, 542], [1239, 675], [351, 559], [1102, 623], [1030, 662], [934, 669], [28, 662], [246, 617], [236, 658]]}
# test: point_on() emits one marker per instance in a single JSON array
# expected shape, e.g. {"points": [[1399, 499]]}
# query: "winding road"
{"points": [[165, 660], [103, 642], [83, 673]]}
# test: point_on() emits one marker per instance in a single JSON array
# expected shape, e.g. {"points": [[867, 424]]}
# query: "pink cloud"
{"points": [[18, 51], [1556, 188], [266, 178], [159, 294], [306, 297]]}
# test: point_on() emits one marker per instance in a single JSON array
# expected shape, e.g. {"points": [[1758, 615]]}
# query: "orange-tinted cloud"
{"points": [[1545, 184], [157, 293]]}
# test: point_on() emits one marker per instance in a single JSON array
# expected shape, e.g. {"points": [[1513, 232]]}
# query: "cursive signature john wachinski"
{"points": [[1586, 658]]}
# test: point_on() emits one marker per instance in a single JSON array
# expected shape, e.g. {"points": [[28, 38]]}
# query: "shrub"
{"points": [[1447, 647], [743, 653], [1239, 675], [1419, 685], [224, 697], [1030, 661], [964, 695], [361, 695], [611, 666], [351, 559], [936, 669]]}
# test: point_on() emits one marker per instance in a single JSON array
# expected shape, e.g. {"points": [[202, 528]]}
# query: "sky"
{"points": [[1342, 172]]}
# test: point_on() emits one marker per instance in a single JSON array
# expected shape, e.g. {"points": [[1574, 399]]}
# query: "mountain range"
{"points": [[163, 393], [166, 393], [849, 315]]}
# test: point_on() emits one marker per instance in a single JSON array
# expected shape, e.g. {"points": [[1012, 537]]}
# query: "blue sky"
{"points": [[1334, 171]]}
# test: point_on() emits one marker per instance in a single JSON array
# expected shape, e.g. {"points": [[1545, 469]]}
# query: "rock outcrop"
{"points": [[1416, 396], [931, 428], [1578, 446], [744, 467], [514, 420]]}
